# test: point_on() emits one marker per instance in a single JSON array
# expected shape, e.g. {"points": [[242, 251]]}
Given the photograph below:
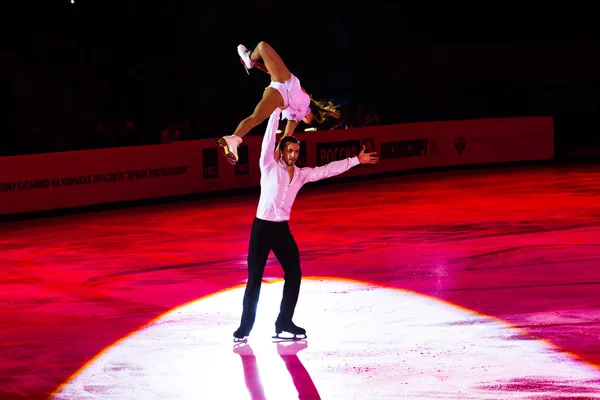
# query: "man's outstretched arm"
{"points": [[338, 167]]}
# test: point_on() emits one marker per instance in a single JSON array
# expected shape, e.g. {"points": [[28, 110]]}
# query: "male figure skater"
{"points": [[280, 182]]}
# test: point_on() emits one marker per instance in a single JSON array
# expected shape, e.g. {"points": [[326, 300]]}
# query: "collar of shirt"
{"points": [[283, 166]]}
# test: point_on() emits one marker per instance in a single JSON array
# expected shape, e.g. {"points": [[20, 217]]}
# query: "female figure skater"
{"points": [[284, 92]]}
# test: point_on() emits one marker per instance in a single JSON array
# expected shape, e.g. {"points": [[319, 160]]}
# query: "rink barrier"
{"points": [[74, 179]]}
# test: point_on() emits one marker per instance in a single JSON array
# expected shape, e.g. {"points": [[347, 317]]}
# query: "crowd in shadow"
{"points": [[109, 134]]}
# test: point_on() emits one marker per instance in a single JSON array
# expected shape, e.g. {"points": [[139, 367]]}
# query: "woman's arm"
{"points": [[290, 127]]}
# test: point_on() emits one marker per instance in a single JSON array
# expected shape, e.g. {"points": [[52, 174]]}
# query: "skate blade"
{"points": [[295, 337], [225, 151], [246, 68], [240, 340]]}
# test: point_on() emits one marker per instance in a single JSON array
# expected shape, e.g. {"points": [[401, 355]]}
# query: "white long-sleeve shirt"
{"points": [[277, 193]]}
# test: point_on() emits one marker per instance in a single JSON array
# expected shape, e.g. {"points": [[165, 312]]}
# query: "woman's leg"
{"points": [[272, 61], [271, 100]]}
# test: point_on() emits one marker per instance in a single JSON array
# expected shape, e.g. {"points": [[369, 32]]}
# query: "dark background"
{"points": [[64, 67]]}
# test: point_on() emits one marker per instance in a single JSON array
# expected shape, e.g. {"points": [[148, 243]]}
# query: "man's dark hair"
{"points": [[286, 140]]}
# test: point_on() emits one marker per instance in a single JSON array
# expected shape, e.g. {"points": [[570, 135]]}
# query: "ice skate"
{"points": [[229, 146], [241, 335], [244, 54], [290, 328]]}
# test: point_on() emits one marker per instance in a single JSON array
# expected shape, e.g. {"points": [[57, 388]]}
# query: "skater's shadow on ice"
{"points": [[288, 351]]}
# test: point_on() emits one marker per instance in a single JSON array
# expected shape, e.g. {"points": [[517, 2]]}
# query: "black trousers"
{"points": [[267, 236]]}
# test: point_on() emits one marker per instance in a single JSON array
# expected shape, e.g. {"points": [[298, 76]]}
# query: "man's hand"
{"points": [[367, 158]]}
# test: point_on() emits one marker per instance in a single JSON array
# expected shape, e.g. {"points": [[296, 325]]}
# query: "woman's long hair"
{"points": [[323, 109]]}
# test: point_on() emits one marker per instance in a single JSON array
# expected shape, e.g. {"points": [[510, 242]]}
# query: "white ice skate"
{"points": [[244, 54], [229, 146]]}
